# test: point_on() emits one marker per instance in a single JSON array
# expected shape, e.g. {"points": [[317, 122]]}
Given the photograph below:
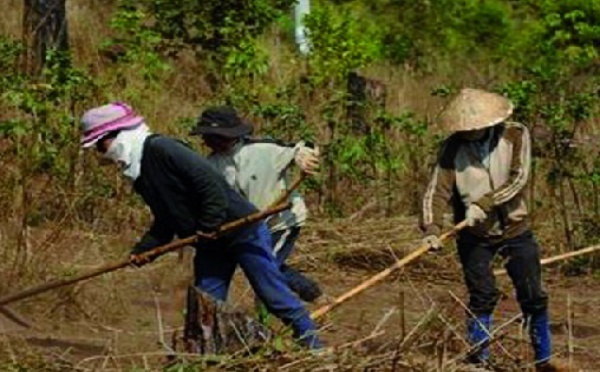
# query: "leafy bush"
{"points": [[136, 46], [224, 32], [339, 43]]}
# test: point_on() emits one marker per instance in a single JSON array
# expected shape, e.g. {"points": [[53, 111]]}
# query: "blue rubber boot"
{"points": [[539, 332], [478, 329]]}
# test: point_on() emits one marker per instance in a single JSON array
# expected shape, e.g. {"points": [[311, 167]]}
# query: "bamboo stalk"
{"points": [[421, 250], [177, 244]]}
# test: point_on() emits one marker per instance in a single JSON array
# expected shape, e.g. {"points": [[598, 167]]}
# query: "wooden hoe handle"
{"points": [[278, 206], [560, 257], [177, 244], [285, 195], [383, 274]]}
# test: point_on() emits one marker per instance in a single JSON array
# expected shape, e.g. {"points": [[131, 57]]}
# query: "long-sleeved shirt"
{"points": [[257, 169], [491, 173], [185, 194]]}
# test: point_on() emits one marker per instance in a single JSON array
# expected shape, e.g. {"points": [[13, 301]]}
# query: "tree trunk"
{"points": [[44, 29]]}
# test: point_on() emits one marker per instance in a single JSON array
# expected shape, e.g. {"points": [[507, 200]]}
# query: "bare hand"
{"points": [[139, 260]]}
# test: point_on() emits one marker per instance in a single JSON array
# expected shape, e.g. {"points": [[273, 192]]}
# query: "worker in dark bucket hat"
{"points": [[260, 170]]}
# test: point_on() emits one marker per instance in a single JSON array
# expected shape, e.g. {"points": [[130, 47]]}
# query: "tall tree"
{"points": [[44, 29]]}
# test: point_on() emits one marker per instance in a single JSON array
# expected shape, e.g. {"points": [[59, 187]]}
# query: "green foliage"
{"points": [[570, 32], [224, 32], [213, 25], [424, 31], [45, 123], [340, 43], [284, 120], [522, 93], [555, 89], [10, 50], [137, 45], [245, 58], [421, 31], [370, 155], [561, 44], [559, 41]]}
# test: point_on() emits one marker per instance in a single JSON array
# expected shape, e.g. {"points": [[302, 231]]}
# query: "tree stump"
{"points": [[364, 97], [213, 327]]}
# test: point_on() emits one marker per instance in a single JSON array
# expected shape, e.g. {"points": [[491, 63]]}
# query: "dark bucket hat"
{"points": [[222, 121]]}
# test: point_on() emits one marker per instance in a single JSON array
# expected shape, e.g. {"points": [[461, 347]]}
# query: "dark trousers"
{"points": [[283, 245], [523, 266]]}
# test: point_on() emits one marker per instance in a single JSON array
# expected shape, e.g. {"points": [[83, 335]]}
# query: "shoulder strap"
{"points": [[271, 140]]}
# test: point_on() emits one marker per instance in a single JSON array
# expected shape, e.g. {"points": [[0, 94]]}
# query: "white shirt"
{"points": [[258, 171]]}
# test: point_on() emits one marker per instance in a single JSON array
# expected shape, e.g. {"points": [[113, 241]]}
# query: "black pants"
{"points": [[284, 242], [523, 267]]}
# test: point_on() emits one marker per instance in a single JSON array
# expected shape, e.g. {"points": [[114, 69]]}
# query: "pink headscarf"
{"points": [[100, 121]]}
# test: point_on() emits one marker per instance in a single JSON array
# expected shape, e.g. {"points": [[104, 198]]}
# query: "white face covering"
{"points": [[126, 150]]}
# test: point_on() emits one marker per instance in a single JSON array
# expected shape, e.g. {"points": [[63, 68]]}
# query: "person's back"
{"points": [[193, 194], [258, 170]]}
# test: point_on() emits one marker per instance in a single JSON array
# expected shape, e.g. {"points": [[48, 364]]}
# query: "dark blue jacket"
{"points": [[186, 194]]}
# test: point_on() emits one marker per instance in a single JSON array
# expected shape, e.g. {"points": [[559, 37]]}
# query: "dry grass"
{"points": [[414, 320], [11, 18]]}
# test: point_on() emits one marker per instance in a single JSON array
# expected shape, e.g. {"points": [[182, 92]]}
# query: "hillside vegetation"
{"points": [[170, 59]]}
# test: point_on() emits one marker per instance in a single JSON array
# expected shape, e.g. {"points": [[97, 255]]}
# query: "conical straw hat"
{"points": [[475, 109]]}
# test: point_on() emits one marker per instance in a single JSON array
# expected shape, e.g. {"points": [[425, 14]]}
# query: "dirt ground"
{"points": [[411, 321]]}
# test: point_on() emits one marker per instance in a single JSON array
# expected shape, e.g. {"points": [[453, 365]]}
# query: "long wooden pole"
{"points": [[177, 244], [384, 274], [560, 257], [285, 195], [15, 317]]}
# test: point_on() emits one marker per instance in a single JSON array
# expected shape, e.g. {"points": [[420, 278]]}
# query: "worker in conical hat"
{"points": [[482, 169]]}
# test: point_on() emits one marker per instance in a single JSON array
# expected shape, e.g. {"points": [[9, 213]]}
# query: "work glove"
{"points": [[434, 242], [307, 158], [475, 215]]}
